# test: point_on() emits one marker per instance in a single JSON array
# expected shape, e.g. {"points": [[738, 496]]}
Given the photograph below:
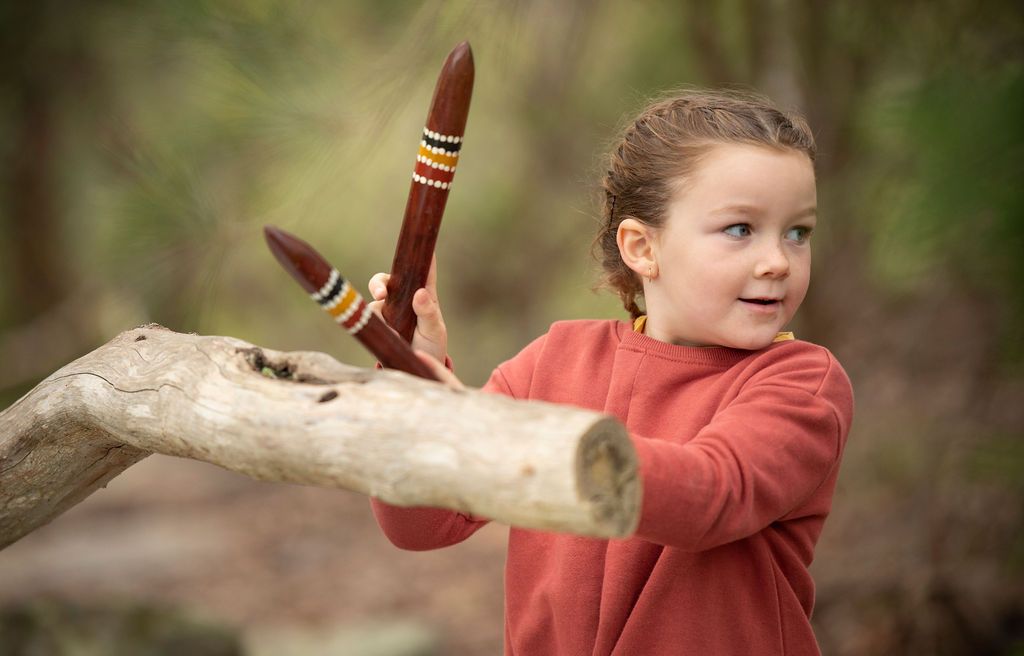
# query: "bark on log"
{"points": [[303, 417]]}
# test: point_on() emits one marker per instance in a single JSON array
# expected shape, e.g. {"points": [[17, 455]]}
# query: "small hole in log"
{"points": [[328, 396], [259, 362], [140, 338], [312, 380]]}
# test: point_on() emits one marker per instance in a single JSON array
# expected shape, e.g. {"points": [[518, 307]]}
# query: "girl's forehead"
{"points": [[759, 178], [738, 170], [741, 157]]}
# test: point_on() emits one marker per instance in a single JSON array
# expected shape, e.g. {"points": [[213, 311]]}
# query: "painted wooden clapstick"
{"points": [[432, 176], [340, 300]]}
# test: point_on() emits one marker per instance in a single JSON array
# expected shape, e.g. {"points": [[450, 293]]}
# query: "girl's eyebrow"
{"points": [[754, 210], [736, 209]]}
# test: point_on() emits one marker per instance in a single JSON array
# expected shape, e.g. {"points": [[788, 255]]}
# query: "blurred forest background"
{"points": [[144, 144]]}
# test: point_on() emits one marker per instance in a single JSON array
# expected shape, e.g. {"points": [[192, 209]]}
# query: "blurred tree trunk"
{"points": [[50, 80], [32, 75], [40, 273]]}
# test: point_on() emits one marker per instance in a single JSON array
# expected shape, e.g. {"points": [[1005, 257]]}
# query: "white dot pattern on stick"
{"points": [[362, 320], [337, 299], [434, 165], [344, 316], [430, 183], [320, 293], [441, 137], [438, 151]]}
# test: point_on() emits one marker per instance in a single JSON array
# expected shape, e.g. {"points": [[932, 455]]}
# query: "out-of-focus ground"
{"points": [[276, 562]]}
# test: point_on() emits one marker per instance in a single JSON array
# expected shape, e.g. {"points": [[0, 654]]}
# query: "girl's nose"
{"points": [[772, 262]]}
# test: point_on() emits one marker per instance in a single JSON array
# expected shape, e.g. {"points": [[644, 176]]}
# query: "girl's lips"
{"points": [[762, 305]]}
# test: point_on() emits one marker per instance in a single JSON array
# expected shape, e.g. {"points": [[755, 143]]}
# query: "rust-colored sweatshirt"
{"points": [[739, 453]]}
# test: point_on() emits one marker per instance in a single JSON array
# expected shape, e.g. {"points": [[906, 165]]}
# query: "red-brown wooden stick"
{"points": [[340, 300], [436, 161]]}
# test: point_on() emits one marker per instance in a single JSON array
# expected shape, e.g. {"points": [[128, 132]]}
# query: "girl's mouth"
{"points": [[765, 306]]}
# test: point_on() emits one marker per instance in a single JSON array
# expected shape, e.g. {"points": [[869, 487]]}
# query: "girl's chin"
{"points": [[751, 342], [744, 344], [745, 337]]}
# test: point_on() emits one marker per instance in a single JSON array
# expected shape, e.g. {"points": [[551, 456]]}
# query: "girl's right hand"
{"points": [[431, 335]]}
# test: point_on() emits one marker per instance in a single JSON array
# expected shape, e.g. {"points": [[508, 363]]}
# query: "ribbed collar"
{"points": [[718, 356]]}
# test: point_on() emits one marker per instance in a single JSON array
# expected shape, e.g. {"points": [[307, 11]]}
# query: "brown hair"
{"points": [[663, 146]]}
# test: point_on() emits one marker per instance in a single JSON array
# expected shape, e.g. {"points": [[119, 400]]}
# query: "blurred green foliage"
{"points": [[55, 628], [956, 209]]}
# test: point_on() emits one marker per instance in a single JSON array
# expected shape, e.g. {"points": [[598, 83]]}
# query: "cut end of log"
{"points": [[606, 466]]}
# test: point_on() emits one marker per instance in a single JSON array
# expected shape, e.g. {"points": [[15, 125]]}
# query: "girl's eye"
{"points": [[738, 230], [799, 234]]}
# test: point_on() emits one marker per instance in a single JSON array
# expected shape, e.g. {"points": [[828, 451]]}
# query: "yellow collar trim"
{"points": [[641, 322]]}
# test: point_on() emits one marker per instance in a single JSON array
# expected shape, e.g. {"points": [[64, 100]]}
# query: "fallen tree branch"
{"points": [[303, 417]]}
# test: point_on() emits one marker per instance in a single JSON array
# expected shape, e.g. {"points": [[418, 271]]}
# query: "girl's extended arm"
{"points": [[772, 455]]}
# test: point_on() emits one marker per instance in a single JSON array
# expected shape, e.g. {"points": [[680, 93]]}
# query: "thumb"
{"points": [[428, 314], [442, 372], [431, 284], [431, 333], [378, 286]]}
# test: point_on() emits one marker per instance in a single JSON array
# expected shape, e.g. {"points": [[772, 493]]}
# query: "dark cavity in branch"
{"points": [[283, 370]]}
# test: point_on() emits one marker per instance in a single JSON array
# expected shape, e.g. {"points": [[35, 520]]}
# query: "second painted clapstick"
{"points": [[432, 177], [340, 300]]}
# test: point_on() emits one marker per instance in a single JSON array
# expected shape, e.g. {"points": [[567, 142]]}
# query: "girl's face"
{"points": [[733, 259]]}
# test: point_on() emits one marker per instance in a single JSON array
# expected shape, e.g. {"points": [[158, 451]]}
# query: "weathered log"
{"points": [[303, 417]]}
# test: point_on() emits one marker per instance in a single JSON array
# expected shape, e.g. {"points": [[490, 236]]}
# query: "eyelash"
{"points": [[805, 232]]}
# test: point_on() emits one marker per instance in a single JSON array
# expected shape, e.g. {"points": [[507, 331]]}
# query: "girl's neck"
{"points": [[640, 326]]}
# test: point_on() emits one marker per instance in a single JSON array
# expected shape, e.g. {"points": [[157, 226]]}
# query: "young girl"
{"points": [[739, 428]]}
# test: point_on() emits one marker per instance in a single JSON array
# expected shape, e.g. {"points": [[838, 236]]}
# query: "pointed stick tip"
{"points": [[462, 50], [297, 257], [276, 240]]}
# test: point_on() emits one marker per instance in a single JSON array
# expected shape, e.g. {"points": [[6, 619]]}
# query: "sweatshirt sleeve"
{"points": [[421, 529], [762, 458]]}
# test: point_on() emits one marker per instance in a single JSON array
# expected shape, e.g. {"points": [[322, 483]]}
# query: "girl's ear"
{"points": [[637, 246]]}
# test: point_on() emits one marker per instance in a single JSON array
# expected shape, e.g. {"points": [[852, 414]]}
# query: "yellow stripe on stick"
{"points": [[349, 297], [440, 158]]}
